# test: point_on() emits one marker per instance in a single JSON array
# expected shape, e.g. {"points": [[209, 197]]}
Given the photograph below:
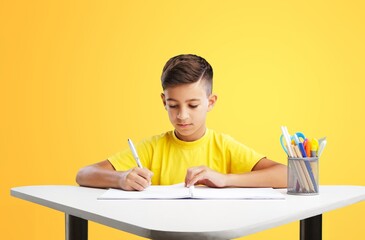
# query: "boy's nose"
{"points": [[183, 114]]}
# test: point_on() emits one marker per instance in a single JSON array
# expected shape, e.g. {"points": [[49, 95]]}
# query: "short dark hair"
{"points": [[185, 69]]}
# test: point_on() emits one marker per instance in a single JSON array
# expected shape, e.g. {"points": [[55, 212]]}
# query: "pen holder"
{"points": [[303, 176]]}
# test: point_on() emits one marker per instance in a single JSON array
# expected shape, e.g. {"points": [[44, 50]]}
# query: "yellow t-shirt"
{"points": [[169, 158]]}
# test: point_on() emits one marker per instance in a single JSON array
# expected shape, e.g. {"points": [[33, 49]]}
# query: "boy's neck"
{"points": [[191, 138]]}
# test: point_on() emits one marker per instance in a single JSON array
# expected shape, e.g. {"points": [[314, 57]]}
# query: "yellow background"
{"points": [[80, 77]]}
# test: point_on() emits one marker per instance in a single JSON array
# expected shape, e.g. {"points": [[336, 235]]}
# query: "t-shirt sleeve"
{"points": [[124, 160], [243, 158]]}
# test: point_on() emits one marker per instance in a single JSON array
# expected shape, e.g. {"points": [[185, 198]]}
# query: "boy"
{"points": [[191, 153]]}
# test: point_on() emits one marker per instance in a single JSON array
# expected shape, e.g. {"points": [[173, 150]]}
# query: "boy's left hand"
{"points": [[205, 176]]}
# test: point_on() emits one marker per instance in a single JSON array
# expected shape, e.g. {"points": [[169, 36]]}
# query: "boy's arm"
{"points": [[266, 173], [103, 175]]}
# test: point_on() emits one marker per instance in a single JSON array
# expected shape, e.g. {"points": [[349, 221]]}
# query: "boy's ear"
{"points": [[163, 100], [212, 100]]}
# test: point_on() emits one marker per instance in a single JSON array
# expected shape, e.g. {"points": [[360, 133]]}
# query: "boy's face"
{"points": [[187, 106]]}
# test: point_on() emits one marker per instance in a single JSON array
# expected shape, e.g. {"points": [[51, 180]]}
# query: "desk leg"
{"points": [[311, 228], [76, 228]]}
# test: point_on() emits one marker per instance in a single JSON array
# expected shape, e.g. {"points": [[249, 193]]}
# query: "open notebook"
{"points": [[179, 191]]}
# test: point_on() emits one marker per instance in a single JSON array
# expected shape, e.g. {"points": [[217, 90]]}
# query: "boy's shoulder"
{"points": [[220, 135], [226, 140]]}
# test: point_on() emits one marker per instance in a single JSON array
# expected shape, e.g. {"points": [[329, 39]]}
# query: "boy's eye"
{"points": [[176, 106]]}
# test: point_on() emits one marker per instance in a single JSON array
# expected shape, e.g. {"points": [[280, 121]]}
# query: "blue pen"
{"points": [[300, 145], [302, 150], [307, 164]]}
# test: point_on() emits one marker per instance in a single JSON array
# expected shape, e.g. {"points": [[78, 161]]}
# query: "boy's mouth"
{"points": [[184, 125]]}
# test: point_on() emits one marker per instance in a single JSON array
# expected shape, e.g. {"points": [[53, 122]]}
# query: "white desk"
{"points": [[186, 218]]}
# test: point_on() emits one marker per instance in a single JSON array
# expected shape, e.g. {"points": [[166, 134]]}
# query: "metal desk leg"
{"points": [[76, 228], [311, 228]]}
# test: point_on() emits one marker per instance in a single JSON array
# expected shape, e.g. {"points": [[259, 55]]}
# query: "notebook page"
{"points": [[203, 192], [152, 192]]}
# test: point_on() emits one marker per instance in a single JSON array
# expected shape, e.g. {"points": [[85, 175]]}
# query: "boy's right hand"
{"points": [[135, 179]]}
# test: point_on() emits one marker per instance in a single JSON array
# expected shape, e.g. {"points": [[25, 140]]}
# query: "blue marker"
{"points": [[302, 150]]}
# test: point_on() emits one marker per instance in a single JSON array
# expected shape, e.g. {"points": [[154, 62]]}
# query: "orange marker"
{"points": [[307, 147]]}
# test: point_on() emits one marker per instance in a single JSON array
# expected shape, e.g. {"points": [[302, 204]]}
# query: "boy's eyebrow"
{"points": [[189, 100]]}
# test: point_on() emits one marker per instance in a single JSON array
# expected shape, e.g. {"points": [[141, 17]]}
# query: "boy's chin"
{"points": [[187, 135], [183, 134]]}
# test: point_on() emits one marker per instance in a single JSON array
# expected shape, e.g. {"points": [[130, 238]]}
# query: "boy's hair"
{"points": [[185, 69]]}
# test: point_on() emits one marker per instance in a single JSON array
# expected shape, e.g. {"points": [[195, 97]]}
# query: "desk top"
{"points": [[189, 218]]}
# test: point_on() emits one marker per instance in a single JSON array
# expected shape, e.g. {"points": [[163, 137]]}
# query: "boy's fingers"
{"points": [[194, 175], [190, 173], [196, 179], [139, 185], [138, 179], [143, 172]]}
